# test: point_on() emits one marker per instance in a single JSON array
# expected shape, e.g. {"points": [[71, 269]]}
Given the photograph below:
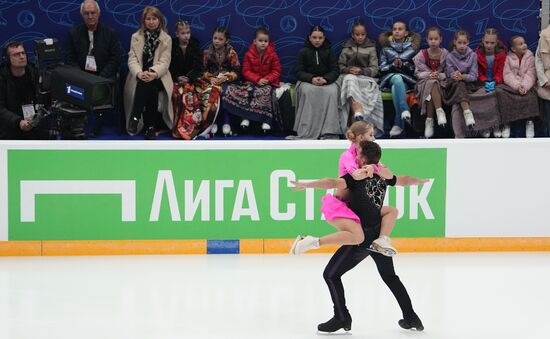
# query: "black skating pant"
{"points": [[346, 258]]}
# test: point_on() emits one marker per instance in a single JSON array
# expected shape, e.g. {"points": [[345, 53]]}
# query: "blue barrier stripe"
{"points": [[222, 247]]}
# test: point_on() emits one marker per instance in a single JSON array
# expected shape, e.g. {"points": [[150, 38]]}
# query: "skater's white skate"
{"points": [[304, 244], [383, 246]]}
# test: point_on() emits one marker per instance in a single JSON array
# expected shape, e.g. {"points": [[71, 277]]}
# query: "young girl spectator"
{"points": [[255, 98], [542, 63], [399, 46], [461, 71], [185, 68], [359, 90], [221, 65], [430, 72], [517, 98], [317, 114], [148, 63], [491, 56]]}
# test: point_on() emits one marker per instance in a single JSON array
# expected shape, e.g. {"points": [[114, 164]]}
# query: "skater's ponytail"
{"points": [[358, 128]]}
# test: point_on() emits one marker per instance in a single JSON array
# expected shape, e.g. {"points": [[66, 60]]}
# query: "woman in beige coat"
{"points": [[149, 78]]}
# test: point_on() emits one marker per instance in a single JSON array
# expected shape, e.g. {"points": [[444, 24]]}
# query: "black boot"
{"points": [[334, 324], [150, 134], [412, 323], [133, 125]]}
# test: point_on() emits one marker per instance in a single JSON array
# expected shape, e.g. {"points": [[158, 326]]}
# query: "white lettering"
{"points": [[274, 208], [220, 186], [165, 179], [245, 189], [202, 198], [421, 200]]}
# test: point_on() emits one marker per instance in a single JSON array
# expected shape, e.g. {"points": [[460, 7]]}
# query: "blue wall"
{"points": [[288, 20]]}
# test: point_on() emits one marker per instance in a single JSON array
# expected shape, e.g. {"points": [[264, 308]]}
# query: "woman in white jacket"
{"points": [[149, 77]]}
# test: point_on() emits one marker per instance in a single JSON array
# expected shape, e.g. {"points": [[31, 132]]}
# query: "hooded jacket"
{"points": [[498, 65], [405, 51], [256, 66], [362, 56], [520, 74], [314, 62]]}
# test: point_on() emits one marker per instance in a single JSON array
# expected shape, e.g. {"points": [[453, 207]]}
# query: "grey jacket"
{"points": [[392, 50], [362, 56]]}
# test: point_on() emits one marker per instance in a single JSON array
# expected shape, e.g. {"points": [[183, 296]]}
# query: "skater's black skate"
{"points": [[413, 323], [334, 324]]}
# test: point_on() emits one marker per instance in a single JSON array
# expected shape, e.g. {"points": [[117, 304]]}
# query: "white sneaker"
{"points": [[486, 134], [406, 115], [505, 131], [214, 129], [226, 129], [266, 127], [383, 246], [395, 131], [529, 129], [245, 123], [429, 128], [441, 117], [304, 244], [497, 132], [469, 117], [358, 116]]}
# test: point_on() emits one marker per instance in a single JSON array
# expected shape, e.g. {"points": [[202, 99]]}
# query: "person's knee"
{"points": [[397, 80], [358, 237], [392, 211]]}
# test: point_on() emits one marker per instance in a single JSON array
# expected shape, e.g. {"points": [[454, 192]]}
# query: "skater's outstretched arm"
{"points": [[405, 180], [325, 183]]}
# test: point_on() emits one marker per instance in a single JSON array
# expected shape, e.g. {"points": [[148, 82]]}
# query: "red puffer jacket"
{"points": [[498, 65], [269, 67]]}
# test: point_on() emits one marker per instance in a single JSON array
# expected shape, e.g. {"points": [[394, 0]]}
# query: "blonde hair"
{"points": [[358, 128], [156, 13], [182, 24]]}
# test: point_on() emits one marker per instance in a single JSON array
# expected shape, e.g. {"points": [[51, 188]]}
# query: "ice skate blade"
{"points": [[384, 251], [293, 247], [340, 332]]}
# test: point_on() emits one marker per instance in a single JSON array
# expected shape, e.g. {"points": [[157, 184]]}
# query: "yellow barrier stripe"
{"points": [[20, 248], [123, 247], [251, 246], [257, 246]]}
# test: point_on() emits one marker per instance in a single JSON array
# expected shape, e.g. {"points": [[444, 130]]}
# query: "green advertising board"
{"points": [[199, 194]]}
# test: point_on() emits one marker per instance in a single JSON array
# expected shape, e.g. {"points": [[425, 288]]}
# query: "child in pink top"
{"points": [[338, 214]]}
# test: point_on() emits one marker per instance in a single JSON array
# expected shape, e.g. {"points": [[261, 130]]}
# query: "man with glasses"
{"points": [[18, 95], [93, 46]]}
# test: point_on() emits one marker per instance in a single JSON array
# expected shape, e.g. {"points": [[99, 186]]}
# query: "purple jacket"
{"points": [[465, 63]]}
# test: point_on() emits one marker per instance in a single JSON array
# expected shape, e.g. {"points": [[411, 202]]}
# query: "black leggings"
{"points": [[346, 258], [146, 97]]}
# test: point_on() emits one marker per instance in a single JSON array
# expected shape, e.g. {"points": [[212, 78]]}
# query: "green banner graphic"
{"points": [[199, 194]]}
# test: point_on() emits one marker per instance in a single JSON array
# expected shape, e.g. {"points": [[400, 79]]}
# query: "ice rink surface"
{"points": [[457, 295]]}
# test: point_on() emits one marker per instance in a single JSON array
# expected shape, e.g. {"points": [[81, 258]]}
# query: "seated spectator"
{"points": [[18, 79], [317, 114], [461, 71], [185, 68], [517, 97], [430, 72], [255, 98], [358, 71], [94, 48], [399, 46], [221, 65], [542, 63], [149, 78], [491, 56]]}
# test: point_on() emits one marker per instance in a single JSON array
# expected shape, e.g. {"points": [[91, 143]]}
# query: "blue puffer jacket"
{"points": [[392, 50]]}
